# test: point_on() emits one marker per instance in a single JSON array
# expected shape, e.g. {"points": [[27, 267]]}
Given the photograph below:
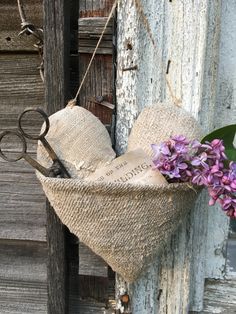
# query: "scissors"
{"points": [[57, 169]]}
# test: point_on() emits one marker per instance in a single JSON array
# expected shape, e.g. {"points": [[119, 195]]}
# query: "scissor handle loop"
{"points": [[46, 120], [23, 142]]}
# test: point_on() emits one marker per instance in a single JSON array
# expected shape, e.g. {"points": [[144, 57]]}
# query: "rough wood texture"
{"points": [[187, 34], [20, 85], [10, 25], [224, 114], [23, 277], [90, 30], [91, 264], [19, 190], [97, 84], [56, 55], [95, 8], [220, 297]]}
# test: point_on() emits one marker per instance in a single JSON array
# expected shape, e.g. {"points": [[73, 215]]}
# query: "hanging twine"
{"points": [[73, 102], [146, 24], [29, 28]]}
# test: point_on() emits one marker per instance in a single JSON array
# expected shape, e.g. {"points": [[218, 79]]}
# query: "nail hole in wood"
{"points": [[8, 38], [129, 46]]}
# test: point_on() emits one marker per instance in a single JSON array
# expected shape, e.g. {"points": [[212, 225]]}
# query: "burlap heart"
{"points": [[79, 139], [126, 224], [158, 123]]}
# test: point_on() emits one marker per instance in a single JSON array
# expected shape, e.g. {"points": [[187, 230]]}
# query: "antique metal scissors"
{"points": [[57, 169]]}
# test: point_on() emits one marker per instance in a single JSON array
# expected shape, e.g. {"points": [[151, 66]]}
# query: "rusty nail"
{"points": [[135, 67], [124, 298], [159, 294], [168, 66]]}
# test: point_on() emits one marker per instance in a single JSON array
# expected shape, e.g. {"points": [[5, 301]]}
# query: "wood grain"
{"points": [[19, 190], [91, 264], [220, 297], [95, 8], [23, 277], [20, 84], [90, 30], [56, 55], [177, 276], [98, 83], [20, 87]]}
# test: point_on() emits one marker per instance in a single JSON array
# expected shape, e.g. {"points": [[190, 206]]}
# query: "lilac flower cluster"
{"points": [[181, 160]]}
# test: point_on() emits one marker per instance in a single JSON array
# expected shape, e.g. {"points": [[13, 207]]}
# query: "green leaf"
{"points": [[231, 154], [226, 134]]}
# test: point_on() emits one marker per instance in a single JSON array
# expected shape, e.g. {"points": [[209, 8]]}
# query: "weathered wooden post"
{"points": [[186, 38], [58, 44]]}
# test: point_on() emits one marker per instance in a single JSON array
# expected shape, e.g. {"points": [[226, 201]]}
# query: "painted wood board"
{"points": [[186, 35], [220, 297]]}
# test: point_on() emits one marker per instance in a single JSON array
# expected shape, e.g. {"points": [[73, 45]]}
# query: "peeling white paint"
{"points": [[187, 34]]}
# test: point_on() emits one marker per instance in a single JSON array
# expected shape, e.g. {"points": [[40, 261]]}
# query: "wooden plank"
{"points": [[10, 18], [93, 26], [19, 189], [98, 83], [220, 297], [95, 8], [224, 114], [23, 277], [177, 277], [20, 83], [91, 264], [20, 87], [10, 25], [11, 41], [57, 80], [27, 258], [23, 298], [90, 30]]}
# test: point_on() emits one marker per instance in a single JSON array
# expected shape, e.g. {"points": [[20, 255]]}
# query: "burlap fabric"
{"points": [[79, 139], [126, 225], [157, 123]]}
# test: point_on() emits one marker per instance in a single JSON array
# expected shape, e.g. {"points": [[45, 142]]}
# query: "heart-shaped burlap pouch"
{"points": [[79, 139], [126, 224]]}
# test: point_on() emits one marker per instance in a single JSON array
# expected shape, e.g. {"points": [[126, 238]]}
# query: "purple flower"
{"points": [[160, 149], [232, 171], [181, 160], [181, 148], [199, 177], [195, 144], [200, 161], [228, 203], [180, 139]]}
